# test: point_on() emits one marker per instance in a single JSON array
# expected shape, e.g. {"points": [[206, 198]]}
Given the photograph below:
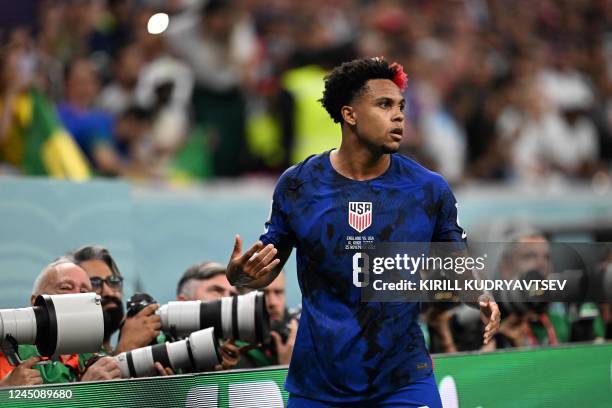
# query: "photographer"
{"points": [[106, 280], [528, 256], [207, 281], [204, 281], [284, 327], [61, 276]]}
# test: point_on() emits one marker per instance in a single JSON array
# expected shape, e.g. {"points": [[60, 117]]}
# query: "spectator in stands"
{"points": [[445, 139], [554, 136], [218, 44], [106, 280], [119, 94], [29, 127], [130, 137], [164, 87], [459, 55], [92, 129], [52, 49], [14, 87], [63, 276], [207, 281]]}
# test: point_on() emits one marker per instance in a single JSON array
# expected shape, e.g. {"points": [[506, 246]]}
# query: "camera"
{"points": [[520, 302], [199, 352], [283, 327], [241, 317], [137, 302], [56, 324], [578, 287]]}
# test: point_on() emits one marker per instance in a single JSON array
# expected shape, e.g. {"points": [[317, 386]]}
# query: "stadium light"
{"points": [[158, 23]]}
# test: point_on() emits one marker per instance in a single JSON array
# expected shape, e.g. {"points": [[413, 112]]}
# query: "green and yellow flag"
{"points": [[37, 143]]}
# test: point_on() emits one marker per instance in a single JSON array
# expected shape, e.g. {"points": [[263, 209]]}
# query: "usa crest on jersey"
{"points": [[360, 215]]}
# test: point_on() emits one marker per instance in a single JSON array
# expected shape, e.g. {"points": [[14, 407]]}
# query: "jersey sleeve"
{"points": [[447, 223], [277, 228]]}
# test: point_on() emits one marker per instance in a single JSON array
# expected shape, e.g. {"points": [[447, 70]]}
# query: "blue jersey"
{"points": [[87, 127], [346, 349]]}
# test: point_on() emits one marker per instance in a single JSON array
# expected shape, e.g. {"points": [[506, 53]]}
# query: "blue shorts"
{"points": [[421, 393]]}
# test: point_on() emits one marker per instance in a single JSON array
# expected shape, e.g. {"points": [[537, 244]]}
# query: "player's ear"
{"points": [[348, 115]]}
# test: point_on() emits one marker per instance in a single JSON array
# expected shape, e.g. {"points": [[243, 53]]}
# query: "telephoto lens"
{"points": [[57, 324], [199, 352], [242, 317]]}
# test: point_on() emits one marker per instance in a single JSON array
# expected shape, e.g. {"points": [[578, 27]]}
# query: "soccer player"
{"points": [[349, 352]]}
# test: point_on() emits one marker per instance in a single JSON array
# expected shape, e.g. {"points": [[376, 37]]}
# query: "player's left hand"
{"points": [[490, 315]]}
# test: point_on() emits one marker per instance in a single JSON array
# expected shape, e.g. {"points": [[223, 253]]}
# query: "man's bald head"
{"points": [[60, 277]]}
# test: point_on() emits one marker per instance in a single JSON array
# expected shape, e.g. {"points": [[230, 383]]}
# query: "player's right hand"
{"points": [[259, 261]]}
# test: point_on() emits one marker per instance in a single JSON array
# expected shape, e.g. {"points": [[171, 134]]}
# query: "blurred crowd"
{"points": [[513, 91]]}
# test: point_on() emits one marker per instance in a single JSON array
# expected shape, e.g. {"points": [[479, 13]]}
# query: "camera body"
{"points": [[283, 327], [137, 302]]}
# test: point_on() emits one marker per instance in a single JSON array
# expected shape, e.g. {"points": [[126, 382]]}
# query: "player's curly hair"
{"points": [[348, 80]]}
